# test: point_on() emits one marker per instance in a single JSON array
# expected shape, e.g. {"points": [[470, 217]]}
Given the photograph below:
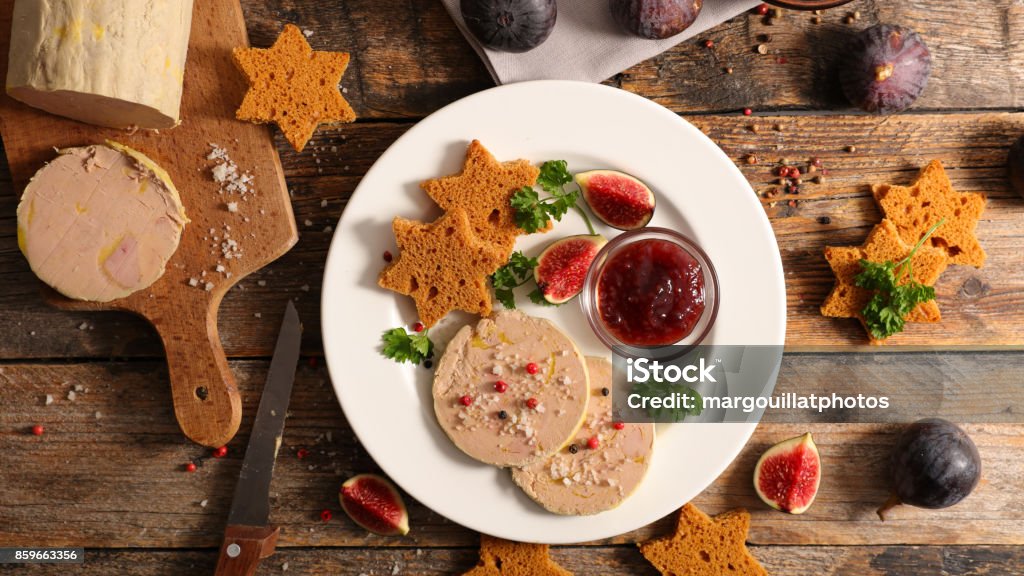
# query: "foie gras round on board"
{"points": [[607, 464], [511, 390], [115, 63], [100, 222]]}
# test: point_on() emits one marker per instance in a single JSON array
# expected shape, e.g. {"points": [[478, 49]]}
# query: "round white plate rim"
{"points": [[588, 528]]}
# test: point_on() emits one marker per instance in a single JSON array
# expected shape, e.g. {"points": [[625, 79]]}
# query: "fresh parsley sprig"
{"points": [[896, 292], [515, 273], [533, 213], [653, 388], [403, 346]]}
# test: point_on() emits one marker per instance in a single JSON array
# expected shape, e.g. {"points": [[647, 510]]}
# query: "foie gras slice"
{"points": [[116, 63], [100, 222], [592, 480], [502, 348]]}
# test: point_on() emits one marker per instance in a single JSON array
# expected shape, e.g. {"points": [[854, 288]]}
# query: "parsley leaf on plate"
{"points": [[403, 346], [660, 389], [554, 174], [515, 273], [533, 213]]}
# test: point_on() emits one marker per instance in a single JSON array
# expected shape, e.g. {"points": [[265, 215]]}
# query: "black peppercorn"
{"points": [[502, 414], [573, 448], [605, 391]]}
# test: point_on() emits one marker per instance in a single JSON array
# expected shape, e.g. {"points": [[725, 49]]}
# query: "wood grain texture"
{"points": [[414, 60], [980, 307], [185, 316], [114, 457], [583, 561]]}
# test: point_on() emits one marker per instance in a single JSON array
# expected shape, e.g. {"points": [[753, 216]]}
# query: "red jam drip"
{"points": [[651, 293]]}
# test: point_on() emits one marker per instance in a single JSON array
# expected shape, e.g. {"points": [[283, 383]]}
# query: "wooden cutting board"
{"points": [[206, 400]]}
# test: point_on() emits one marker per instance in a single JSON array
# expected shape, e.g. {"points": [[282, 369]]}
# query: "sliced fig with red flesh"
{"points": [[374, 503], [787, 475], [617, 199], [562, 266]]}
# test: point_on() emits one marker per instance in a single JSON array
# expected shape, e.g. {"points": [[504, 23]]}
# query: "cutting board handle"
{"points": [[206, 400]]}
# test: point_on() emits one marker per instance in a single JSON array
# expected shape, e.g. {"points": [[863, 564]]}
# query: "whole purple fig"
{"points": [[510, 25], [655, 19], [886, 69]]}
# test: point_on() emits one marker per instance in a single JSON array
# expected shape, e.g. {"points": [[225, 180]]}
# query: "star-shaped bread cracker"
{"points": [[504, 558], [442, 265], [883, 244], [914, 209], [705, 546], [293, 86], [484, 189]]}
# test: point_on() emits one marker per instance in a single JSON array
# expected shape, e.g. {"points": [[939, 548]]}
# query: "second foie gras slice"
{"points": [[592, 480], [511, 390]]}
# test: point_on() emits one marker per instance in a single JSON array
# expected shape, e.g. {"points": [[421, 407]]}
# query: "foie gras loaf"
{"points": [[115, 63], [100, 222]]}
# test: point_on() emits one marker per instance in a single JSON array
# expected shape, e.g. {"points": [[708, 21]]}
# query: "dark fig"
{"points": [[1015, 164], [935, 465], [655, 19], [886, 69], [788, 474], [617, 199], [510, 25], [562, 266]]}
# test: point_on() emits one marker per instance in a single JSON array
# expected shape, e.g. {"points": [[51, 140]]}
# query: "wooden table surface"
{"points": [[108, 473]]}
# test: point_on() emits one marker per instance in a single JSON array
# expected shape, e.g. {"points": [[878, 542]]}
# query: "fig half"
{"points": [[617, 199], [788, 474], [562, 266], [374, 503]]}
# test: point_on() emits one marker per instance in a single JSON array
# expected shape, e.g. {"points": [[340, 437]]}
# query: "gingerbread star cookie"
{"points": [[915, 209], [705, 546], [847, 300], [442, 265], [484, 189], [293, 86], [504, 558]]}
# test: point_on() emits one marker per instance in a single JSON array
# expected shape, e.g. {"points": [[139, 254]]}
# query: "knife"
{"points": [[249, 538]]}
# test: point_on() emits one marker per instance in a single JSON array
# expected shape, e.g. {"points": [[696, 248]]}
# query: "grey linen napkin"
{"points": [[587, 44]]}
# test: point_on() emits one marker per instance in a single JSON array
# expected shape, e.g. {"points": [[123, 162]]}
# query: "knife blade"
{"points": [[248, 538]]}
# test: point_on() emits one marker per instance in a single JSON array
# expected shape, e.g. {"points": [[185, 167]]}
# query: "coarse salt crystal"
{"points": [[193, 282], [232, 206], [71, 395], [323, 203], [49, 399], [203, 503], [208, 287]]}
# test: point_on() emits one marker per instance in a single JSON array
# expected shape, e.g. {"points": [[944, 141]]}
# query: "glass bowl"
{"points": [[589, 297]]}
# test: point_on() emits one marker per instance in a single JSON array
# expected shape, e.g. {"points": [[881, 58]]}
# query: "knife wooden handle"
{"points": [[244, 547]]}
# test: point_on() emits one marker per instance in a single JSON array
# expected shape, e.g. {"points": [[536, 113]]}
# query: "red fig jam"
{"points": [[651, 293]]}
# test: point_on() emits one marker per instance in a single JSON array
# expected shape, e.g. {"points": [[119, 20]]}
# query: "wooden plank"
{"points": [[185, 316], [414, 61], [108, 471], [980, 307], [778, 560]]}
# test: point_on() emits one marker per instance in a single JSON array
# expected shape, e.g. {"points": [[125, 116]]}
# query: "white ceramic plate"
{"points": [[701, 193]]}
